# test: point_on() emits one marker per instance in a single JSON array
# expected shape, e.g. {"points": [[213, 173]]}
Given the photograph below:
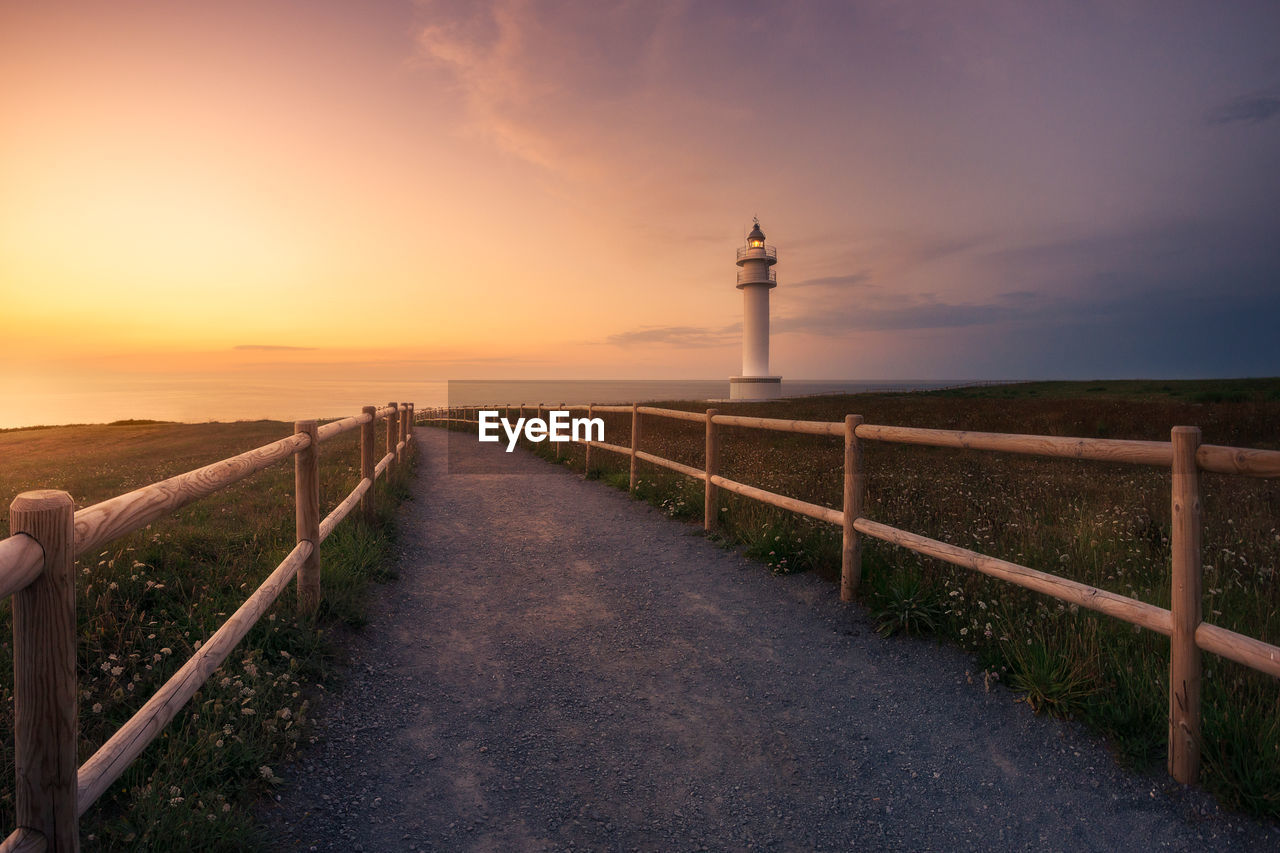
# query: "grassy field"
{"points": [[1098, 523], [147, 600]]}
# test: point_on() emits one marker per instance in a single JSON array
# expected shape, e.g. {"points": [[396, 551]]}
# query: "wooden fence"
{"points": [[37, 569], [1183, 454]]}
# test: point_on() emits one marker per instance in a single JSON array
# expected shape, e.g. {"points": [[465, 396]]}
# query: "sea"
{"points": [[202, 399]]}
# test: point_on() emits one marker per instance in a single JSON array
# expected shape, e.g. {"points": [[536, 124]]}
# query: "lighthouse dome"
{"points": [[756, 236]]}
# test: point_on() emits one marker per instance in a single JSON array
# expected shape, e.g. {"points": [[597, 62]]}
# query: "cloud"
{"points": [[921, 313], [541, 82], [627, 98], [1249, 109], [857, 279], [273, 348], [682, 336]]}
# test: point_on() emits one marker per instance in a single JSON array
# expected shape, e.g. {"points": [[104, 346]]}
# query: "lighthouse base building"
{"points": [[755, 387], [755, 280]]}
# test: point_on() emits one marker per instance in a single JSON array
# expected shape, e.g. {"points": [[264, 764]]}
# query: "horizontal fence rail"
{"points": [[1183, 455], [37, 570]]}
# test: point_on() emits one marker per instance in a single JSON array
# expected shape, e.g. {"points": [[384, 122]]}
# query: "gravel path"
{"points": [[560, 667]]}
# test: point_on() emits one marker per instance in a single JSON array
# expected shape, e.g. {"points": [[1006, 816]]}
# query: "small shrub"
{"points": [[903, 603], [1054, 683]]}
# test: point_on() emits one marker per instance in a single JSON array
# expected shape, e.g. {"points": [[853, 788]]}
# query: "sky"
{"points": [[244, 192]]}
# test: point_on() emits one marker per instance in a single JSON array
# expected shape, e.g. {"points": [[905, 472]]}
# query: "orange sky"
{"points": [[526, 190]]}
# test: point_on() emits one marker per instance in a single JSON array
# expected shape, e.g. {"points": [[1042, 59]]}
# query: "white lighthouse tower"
{"points": [[755, 280]]}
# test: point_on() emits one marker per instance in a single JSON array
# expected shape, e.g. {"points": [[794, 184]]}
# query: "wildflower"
{"points": [[97, 707]]}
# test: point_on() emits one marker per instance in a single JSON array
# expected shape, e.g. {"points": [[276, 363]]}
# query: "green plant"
{"points": [[618, 479], [1054, 683], [1241, 745], [904, 603]]}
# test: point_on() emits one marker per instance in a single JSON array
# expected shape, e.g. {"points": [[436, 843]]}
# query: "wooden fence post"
{"points": [[1185, 608], [635, 443], [367, 462], [408, 426], [855, 488], [46, 704], [710, 497], [586, 463], [391, 441], [560, 444], [306, 483], [404, 428]]}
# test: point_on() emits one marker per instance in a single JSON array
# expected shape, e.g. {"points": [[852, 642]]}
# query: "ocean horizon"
{"points": [[205, 399]]}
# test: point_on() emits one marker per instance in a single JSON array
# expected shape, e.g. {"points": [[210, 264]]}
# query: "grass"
{"points": [[146, 601], [1106, 525]]}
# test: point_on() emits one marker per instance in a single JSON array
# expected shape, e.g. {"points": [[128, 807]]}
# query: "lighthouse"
{"points": [[755, 279]]}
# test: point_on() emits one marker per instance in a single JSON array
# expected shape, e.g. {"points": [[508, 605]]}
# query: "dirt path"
{"points": [[560, 667]]}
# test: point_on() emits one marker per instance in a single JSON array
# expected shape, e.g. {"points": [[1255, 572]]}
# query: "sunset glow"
{"points": [[434, 190]]}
